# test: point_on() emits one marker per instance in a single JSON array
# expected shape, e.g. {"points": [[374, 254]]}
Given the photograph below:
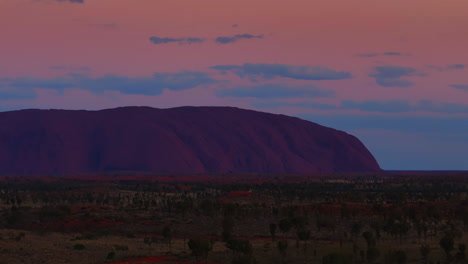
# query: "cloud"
{"points": [[376, 106], [460, 86], [270, 71], [456, 67], [105, 25], [391, 53], [390, 76], [388, 53], [368, 55], [235, 38], [447, 67], [276, 91], [402, 106], [72, 1], [158, 40], [153, 85], [235, 25], [309, 104], [70, 68]]}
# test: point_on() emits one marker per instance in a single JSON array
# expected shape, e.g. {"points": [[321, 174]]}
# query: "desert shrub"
{"points": [[121, 248], [111, 255], [20, 236], [79, 247], [396, 257], [336, 258], [199, 247]]}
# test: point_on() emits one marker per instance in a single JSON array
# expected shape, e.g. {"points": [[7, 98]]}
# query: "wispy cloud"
{"points": [[165, 40], [153, 85], [390, 76], [388, 53], [70, 68], [270, 71], [276, 91], [460, 86], [72, 1], [235, 38], [105, 25], [447, 67]]}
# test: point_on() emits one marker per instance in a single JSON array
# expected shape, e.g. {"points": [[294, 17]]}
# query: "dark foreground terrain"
{"points": [[350, 218]]}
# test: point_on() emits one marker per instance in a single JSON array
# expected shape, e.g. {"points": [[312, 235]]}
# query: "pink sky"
{"points": [[99, 37]]}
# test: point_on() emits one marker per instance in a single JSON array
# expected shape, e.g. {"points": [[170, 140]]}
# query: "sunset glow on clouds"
{"points": [[393, 73]]}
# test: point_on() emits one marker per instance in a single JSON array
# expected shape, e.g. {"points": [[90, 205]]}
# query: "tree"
{"points": [[273, 231], [396, 256], [336, 258], [242, 250], [240, 246], [369, 237], [200, 247], [283, 248], [461, 252], [228, 227], [425, 250], [372, 254], [167, 234], [285, 225], [149, 241], [446, 243]]}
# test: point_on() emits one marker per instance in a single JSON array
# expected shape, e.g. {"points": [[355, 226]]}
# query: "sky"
{"points": [[393, 73]]}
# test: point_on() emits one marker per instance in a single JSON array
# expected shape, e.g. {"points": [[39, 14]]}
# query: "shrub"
{"points": [[121, 248], [79, 247], [111, 255]]}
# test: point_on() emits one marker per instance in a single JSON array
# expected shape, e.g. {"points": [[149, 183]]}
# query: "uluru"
{"points": [[176, 140]]}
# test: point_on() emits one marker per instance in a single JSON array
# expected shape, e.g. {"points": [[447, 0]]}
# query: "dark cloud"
{"points": [[460, 86], [158, 40], [308, 104], [276, 91], [72, 1], [388, 53], [235, 25], [375, 106], [447, 67], [456, 66], [390, 76], [235, 38], [153, 85], [270, 71], [368, 55], [105, 26], [391, 53], [70, 68]]}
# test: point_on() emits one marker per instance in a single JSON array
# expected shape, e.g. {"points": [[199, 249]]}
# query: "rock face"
{"points": [[177, 140]]}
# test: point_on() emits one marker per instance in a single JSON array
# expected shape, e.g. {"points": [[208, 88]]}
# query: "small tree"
{"points": [[228, 227], [372, 254], [446, 243], [285, 225], [149, 241], [167, 234], [283, 248], [200, 247], [369, 237], [273, 231]]}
